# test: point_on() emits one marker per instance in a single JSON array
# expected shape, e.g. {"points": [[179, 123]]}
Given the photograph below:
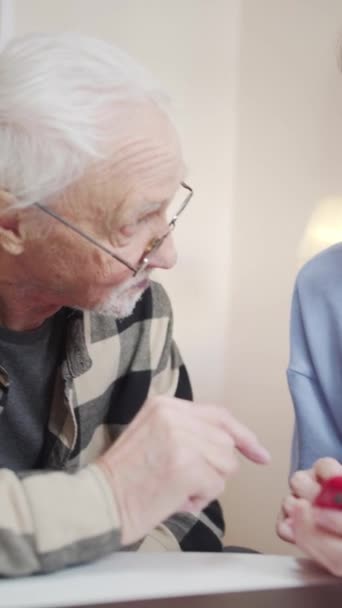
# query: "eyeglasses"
{"points": [[152, 247]]}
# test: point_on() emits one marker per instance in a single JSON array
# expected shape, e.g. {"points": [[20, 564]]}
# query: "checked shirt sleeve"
{"points": [[49, 520]]}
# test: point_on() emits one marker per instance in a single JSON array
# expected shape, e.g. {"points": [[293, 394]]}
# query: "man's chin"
{"points": [[121, 305]]}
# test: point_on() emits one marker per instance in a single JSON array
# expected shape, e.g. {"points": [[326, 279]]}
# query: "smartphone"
{"points": [[330, 496]]}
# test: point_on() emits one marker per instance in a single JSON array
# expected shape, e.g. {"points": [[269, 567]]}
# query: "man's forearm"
{"points": [[52, 520]]}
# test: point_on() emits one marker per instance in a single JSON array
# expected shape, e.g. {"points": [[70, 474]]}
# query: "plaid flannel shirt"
{"points": [[65, 513]]}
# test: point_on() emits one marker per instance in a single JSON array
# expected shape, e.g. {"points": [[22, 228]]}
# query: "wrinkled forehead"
{"points": [[146, 162], [144, 165]]}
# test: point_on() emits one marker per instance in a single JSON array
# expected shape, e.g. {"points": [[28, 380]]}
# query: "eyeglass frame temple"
{"points": [[86, 236]]}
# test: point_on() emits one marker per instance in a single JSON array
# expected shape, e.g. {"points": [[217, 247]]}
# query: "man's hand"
{"points": [[174, 456], [318, 532]]}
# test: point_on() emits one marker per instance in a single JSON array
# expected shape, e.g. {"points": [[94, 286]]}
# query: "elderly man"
{"points": [[89, 166]]}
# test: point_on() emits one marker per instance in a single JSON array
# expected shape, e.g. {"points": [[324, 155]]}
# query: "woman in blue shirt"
{"points": [[315, 382]]}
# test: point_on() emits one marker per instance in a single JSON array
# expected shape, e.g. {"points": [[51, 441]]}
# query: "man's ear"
{"points": [[10, 237]]}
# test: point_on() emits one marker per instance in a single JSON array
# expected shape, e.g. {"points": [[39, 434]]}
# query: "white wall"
{"points": [[288, 156], [258, 99], [6, 21]]}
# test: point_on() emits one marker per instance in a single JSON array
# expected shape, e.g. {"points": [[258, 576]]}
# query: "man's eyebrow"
{"points": [[148, 208]]}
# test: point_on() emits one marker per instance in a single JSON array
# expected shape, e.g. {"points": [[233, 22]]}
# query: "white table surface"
{"points": [[129, 576]]}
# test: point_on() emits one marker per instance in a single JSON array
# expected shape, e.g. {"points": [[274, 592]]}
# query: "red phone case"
{"points": [[330, 496]]}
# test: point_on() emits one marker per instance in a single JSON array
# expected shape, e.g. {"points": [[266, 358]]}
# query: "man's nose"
{"points": [[165, 256]]}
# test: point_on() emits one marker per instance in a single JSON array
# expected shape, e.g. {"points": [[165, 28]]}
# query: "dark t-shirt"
{"points": [[30, 359]]}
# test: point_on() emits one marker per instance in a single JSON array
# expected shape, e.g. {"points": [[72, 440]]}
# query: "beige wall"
{"points": [[288, 156], [258, 100]]}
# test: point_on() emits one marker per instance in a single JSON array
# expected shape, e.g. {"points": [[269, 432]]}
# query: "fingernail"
{"points": [[262, 454], [290, 504], [286, 530]]}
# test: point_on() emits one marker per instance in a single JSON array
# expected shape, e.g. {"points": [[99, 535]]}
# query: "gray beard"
{"points": [[118, 307], [119, 303]]}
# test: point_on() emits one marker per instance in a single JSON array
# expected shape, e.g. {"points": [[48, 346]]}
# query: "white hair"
{"points": [[56, 92]]}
